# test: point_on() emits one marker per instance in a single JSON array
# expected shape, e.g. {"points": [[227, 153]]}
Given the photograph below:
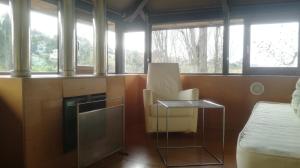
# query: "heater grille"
{"points": [[89, 102], [100, 133]]}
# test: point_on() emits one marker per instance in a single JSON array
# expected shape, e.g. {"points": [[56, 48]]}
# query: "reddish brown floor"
{"points": [[142, 153]]}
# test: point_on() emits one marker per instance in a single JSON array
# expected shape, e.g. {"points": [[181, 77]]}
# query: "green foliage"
{"points": [[85, 52], [134, 62], [111, 63], [5, 44], [43, 52]]}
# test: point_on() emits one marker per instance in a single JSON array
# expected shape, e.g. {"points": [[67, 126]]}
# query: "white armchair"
{"points": [[163, 83]]}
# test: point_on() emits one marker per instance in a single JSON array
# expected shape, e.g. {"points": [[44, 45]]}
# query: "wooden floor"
{"points": [[141, 152]]}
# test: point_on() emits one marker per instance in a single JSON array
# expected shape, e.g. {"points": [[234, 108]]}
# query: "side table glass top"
{"points": [[189, 104]]}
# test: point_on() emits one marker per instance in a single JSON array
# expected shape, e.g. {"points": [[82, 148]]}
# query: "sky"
{"points": [[236, 48], [134, 41], [3, 9], [43, 23], [284, 39]]}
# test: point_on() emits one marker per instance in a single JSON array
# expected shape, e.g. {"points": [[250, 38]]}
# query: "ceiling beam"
{"points": [[138, 11], [225, 6], [186, 16]]}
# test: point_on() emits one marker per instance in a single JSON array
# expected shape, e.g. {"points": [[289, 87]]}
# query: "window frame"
{"points": [[107, 69], [82, 69], [255, 17], [224, 56], [247, 69], [233, 22], [145, 64], [58, 58]]}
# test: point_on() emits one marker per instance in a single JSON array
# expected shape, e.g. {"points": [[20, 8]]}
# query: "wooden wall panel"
{"points": [[83, 86], [232, 91], [134, 115], [11, 123], [115, 91], [43, 100]]}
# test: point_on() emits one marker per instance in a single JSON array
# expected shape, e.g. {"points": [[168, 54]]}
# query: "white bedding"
{"points": [[271, 138]]}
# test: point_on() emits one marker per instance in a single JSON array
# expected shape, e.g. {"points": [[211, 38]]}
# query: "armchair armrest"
{"points": [[148, 97], [148, 101], [190, 94]]}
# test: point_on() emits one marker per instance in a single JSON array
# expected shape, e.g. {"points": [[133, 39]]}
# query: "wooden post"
{"points": [[226, 11], [21, 37], [67, 38], [100, 44]]}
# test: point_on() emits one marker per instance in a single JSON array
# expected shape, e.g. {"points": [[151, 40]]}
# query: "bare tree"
{"points": [[189, 47], [196, 46], [284, 57], [161, 45], [218, 50]]}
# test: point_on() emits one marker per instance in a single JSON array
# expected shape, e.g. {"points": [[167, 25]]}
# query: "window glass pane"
{"points": [[198, 50], [44, 37], [236, 48], [5, 39], [85, 56], [274, 45], [214, 50], [134, 44], [111, 47]]}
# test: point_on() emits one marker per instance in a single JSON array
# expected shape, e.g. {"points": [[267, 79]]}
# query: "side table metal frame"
{"points": [[219, 161]]}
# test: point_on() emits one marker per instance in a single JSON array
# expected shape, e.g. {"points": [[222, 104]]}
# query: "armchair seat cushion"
{"points": [[179, 112]]}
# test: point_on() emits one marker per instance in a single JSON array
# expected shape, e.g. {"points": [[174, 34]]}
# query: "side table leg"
{"points": [[157, 144], [224, 120], [167, 148], [203, 127]]}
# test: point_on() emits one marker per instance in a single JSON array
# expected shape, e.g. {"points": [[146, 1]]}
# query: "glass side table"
{"points": [[199, 104]]}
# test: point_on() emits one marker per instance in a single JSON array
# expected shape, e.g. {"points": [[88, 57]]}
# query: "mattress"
{"points": [[271, 138]]}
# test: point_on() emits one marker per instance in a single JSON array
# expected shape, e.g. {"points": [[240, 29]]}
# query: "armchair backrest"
{"points": [[164, 80]]}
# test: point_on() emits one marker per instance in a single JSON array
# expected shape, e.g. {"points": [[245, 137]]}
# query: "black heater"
{"points": [[91, 102]]}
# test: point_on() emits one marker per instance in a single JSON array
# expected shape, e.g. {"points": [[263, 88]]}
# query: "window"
{"points": [[111, 48], [198, 47], [236, 48], [5, 39], [274, 45], [44, 38], [134, 44], [85, 54]]}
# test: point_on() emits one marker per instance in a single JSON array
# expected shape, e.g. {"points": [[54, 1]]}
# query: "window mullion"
{"points": [[226, 11], [226, 45], [119, 48], [246, 55], [148, 41], [298, 66]]}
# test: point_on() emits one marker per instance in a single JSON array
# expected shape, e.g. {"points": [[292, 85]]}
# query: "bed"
{"points": [[271, 138]]}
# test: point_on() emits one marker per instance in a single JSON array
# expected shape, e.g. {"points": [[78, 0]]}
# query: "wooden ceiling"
{"points": [[165, 6], [121, 5]]}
